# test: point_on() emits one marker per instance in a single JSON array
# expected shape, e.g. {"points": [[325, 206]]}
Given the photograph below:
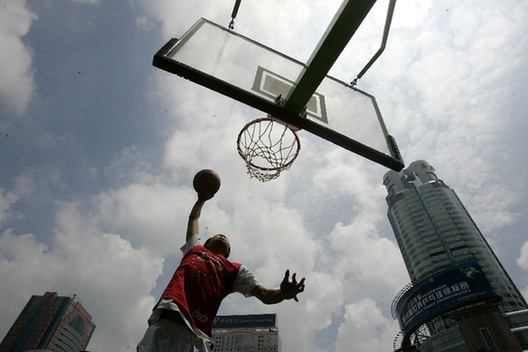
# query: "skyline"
{"points": [[99, 148]]}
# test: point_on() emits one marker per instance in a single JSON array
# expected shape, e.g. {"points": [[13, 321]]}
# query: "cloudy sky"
{"points": [[98, 149]]}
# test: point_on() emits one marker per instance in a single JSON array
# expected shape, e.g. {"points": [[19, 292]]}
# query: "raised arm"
{"points": [[288, 290], [192, 225]]}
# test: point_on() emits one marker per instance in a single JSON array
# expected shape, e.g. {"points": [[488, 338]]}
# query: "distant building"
{"points": [[457, 281], [52, 323], [246, 333]]}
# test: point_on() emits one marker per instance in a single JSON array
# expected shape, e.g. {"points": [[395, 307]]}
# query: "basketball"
{"points": [[206, 183]]}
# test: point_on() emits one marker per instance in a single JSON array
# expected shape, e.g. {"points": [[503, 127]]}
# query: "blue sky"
{"points": [[98, 149]]}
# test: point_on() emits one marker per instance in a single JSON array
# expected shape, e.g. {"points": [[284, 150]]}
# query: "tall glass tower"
{"points": [[457, 281], [52, 323], [435, 231]]}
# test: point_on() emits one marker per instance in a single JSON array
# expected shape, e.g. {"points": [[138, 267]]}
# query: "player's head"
{"points": [[218, 244]]}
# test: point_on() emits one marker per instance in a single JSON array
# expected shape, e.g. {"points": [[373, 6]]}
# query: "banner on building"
{"points": [[448, 289], [245, 321]]}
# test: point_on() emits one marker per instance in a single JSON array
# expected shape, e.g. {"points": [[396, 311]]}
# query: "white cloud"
{"points": [[412, 14], [102, 268], [23, 265], [7, 199], [361, 266], [253, 20], [522, 261], [323, 287], [365, 328], [109, 275], [448, 96], [442, 85], [16, 58], [150, 215]]}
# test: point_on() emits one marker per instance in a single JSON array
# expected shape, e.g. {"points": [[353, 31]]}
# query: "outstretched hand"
{"points": [[290, 289]]}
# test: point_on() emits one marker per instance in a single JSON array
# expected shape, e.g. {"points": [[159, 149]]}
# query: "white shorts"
{"points": [[166, 336]]}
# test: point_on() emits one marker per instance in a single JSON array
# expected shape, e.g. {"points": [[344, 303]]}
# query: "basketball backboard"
{"points": [[245, 70]]}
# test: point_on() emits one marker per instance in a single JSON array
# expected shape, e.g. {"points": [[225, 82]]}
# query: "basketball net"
{"points": [[268, 146]]}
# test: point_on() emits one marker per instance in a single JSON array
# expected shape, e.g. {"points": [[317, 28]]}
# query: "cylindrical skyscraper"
{"points": [[435, 233]]}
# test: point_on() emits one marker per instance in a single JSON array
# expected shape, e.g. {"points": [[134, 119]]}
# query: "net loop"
{"points": [[268, 147]]}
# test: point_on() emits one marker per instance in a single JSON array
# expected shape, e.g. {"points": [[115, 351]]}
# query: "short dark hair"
{"points": [[209, 240]]}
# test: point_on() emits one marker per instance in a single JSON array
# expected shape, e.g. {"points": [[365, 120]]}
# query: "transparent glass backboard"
{"points": [[263, 78]]}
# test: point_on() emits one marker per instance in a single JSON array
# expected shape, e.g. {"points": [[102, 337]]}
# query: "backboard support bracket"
{"points": [[343, 26]]}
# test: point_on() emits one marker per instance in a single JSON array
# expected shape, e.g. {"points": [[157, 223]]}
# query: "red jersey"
{"points": [[199, 285]]}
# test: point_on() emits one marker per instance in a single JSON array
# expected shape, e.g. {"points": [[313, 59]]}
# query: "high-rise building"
{"points": [[451, 265], [246, 333], [50, 322]]}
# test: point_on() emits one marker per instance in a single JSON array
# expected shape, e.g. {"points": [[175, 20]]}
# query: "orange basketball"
{"points": [[206, 183]]}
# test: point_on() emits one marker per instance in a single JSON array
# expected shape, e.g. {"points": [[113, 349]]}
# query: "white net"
{"points": [[268, 146]]}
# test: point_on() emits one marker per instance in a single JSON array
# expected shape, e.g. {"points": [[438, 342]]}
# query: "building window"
{"points": [[431, 176], [489, 340]]}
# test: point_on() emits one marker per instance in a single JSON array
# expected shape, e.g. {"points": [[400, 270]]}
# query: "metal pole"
{"points": [[234, 14], [345, 23], [388, 21]]}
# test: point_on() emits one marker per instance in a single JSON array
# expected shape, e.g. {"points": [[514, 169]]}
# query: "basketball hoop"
{"points": [[268, 146]]}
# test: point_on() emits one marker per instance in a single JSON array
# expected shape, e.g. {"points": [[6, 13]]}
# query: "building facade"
{"points": [[246, 333], [50, 322], [435, 233]]}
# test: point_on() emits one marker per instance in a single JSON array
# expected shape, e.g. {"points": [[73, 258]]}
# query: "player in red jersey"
{"points": [[182, 318]]}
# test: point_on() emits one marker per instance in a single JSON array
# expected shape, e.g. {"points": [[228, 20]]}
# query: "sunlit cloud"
{"points": [[444, 85], [16, 58]]}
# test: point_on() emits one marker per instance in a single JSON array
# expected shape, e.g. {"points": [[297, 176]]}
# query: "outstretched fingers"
{"points": [[290, 289], [301, 285], [298, 286], [286, 276]]}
